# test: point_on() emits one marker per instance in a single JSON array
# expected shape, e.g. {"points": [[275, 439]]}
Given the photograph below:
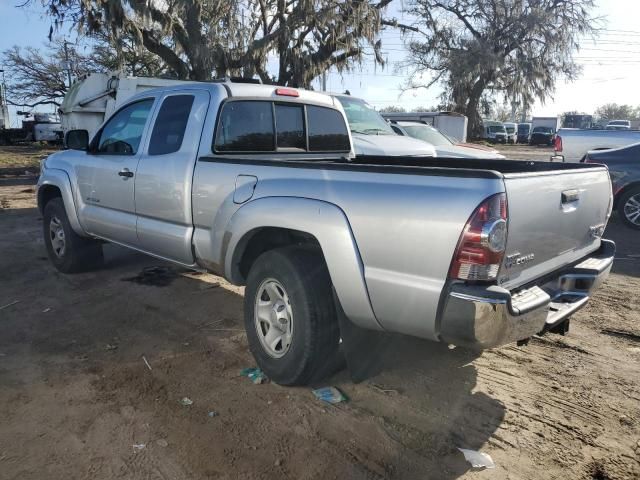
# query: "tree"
{"points": [[613, 111], [40, 76], [476, 48], [392, 109], [125, 55], [198, 39]]}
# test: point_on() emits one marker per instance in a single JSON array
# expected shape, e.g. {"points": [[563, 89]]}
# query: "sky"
{"points": [[611, 63]]}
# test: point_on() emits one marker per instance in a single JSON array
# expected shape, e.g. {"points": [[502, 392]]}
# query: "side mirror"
{"points": [[77, 139]]}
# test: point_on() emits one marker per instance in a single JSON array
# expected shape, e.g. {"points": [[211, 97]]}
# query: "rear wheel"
{"points": [[629, 208], [68, 251], [290, 316]]}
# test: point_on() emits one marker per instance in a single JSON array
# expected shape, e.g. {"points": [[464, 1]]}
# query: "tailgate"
{"points": [[555, 218]]}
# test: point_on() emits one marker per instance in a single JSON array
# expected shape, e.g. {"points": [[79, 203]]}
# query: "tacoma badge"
{"points": [[518, 259]]}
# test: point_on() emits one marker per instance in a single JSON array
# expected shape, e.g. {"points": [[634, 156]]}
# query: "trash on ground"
{"points": [[46, 310], [278, 462], [186, 401], [213, 413], [256, 375], [477, 459], [111, 347], [381, 389], [330, 395], [138, 446], [145, 362], [162, 442], [9, 304]]}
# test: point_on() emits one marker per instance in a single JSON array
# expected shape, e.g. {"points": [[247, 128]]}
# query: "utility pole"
{"points": [[324, 81], [67, 63]]}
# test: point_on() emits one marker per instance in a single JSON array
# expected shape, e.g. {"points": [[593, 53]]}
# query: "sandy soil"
{"points": [[77, 399]]}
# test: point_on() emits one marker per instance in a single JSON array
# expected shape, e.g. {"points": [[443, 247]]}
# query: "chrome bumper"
{"points": [[484, 317]]}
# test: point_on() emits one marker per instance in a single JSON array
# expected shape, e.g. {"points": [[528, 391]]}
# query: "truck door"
{"points": [[165, 173], [106, 174]]}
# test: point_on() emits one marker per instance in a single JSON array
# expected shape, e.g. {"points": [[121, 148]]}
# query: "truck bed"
{"points": [[497, 166], [440, 166]]}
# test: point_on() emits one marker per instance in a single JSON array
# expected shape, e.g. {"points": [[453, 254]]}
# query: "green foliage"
{"points": [[392, 109], [201, 39], [479, 48], [613, 111]]}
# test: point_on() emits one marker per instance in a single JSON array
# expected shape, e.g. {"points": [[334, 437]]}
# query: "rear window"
{"points": [[290, 127], [170, 125], [327, 130], [245, 126], [254, 126]]}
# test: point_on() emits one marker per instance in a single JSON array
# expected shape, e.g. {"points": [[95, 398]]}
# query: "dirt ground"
{"points": [[78, 400]]}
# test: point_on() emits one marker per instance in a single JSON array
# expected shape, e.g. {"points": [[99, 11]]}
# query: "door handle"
{"points": [[126, 173]]}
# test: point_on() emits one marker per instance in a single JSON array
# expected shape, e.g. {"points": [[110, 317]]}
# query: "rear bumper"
{"points": [[483, 317]]}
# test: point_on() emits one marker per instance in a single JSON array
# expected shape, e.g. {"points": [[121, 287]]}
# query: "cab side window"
{"points": [[123, 132], [245, 126], [171, 123], [327, 130]]}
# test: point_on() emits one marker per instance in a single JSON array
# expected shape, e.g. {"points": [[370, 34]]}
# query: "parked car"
{"points": [[571, 144], [512, 132], [261, 184], [624, 169], [618, 125], [372, 134], [494, 132], [541, 136], [443, 145], [451, 124], [524, 129]]}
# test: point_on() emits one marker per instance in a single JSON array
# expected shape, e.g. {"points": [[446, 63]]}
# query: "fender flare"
{"points": [[59, 178], [328, 224]]}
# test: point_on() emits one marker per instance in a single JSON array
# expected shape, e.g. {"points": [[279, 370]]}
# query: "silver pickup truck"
{"points": [[260, 184], [572, 144]]}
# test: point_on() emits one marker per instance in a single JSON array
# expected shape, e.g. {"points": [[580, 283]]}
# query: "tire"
{"points": [[629, 208], [68, 251], [292, 287]]}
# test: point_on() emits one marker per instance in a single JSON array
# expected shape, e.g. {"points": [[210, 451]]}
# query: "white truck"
{"points": [[95, 96], [572, 144], [551, 122]]}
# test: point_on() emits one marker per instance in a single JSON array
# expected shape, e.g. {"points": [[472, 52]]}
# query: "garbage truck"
{"points": [[95, 96]]}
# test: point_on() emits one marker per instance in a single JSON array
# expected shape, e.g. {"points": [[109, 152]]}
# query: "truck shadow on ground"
{"points": [[70, 331]]}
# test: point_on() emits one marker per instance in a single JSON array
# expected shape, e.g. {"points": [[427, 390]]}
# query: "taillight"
{"points": [[557, 143], [483, 242]]}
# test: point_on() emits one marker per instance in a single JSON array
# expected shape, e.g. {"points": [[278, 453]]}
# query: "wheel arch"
{"points": [[261, 225], [55, 183], [622, 191]]}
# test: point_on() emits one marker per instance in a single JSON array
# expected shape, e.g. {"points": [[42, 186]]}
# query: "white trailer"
{"points": [[551, 122], [94, 96], [452, 124]]}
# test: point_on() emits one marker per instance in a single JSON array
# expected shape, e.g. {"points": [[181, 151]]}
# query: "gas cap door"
{"points": [[245, 186]]}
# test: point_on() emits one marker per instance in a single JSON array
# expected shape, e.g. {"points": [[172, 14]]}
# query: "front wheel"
{"points": [[68, 251], [629, 208], [290, 316]]}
